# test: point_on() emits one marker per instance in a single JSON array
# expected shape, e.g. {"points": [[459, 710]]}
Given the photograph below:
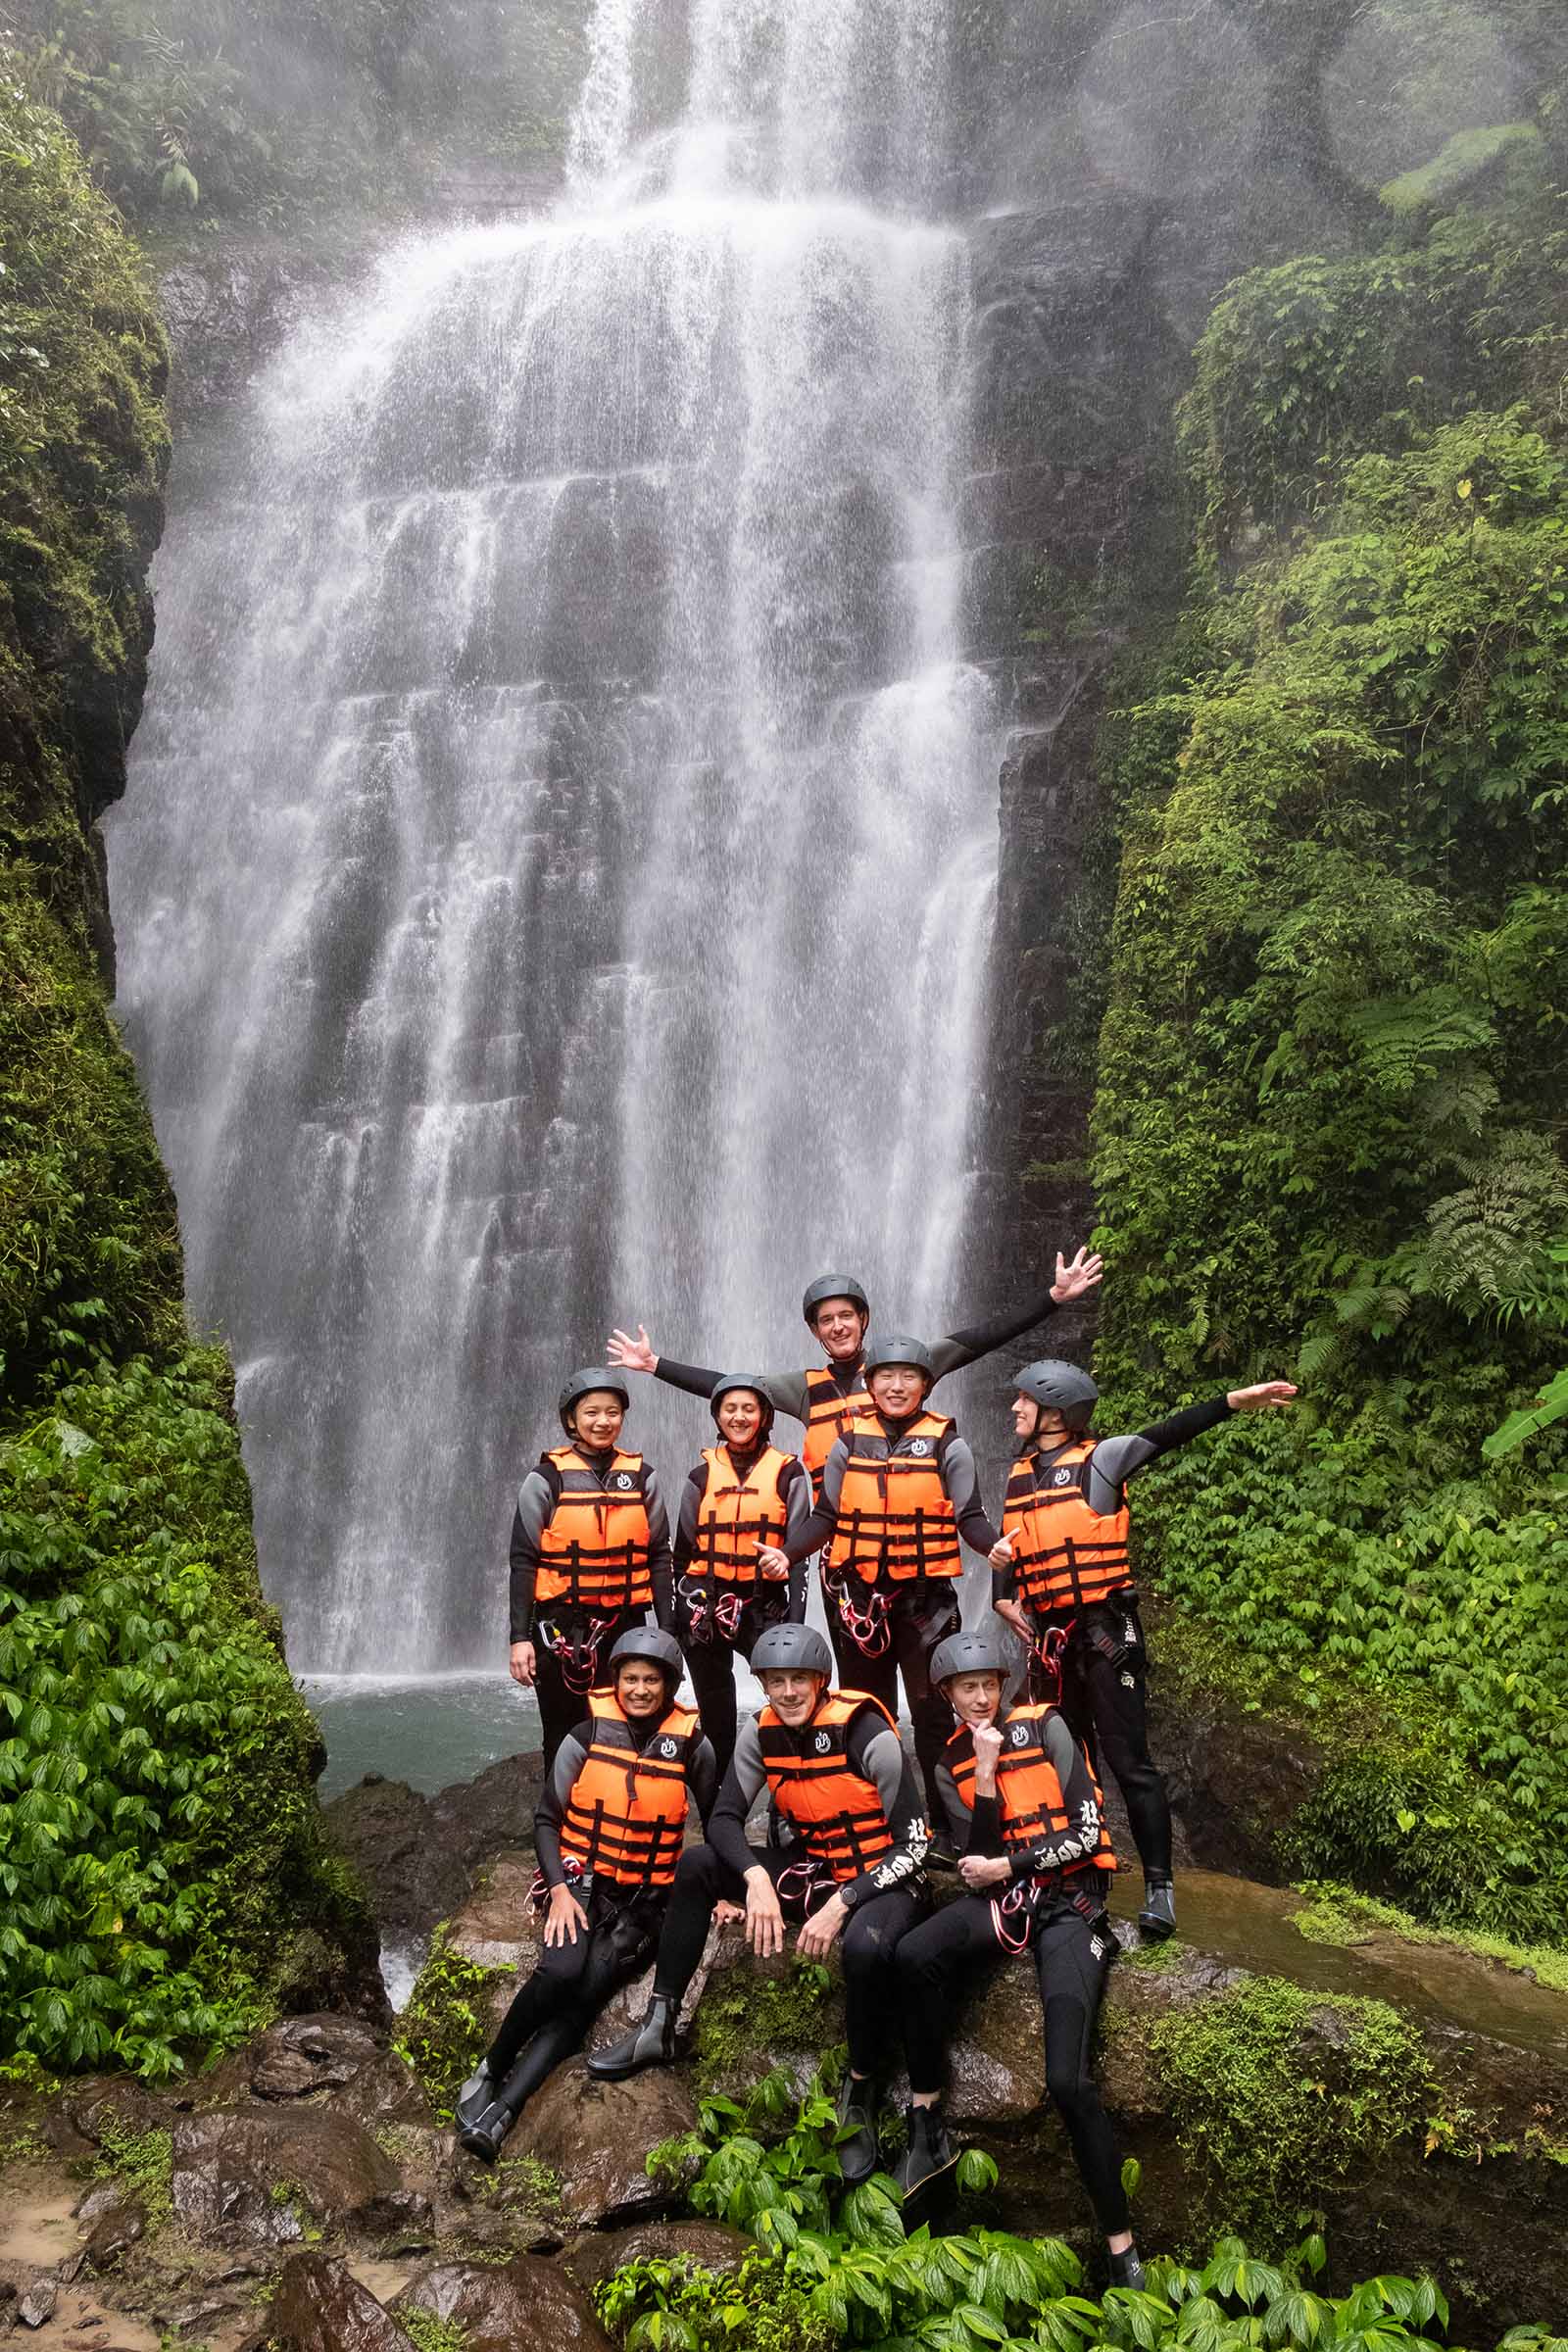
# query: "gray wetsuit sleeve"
{"points": [[570, 1758], [743, 1785], [535, 1502], [961, 1484], [967, 1347], [883, 1761], [1117, 1459], [819, 1525]]}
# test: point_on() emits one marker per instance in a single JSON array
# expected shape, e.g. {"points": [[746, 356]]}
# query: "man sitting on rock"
{"points": [[854, 1865], [609, 1832]]}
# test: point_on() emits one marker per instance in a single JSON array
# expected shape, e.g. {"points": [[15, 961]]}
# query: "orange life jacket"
{"points": [[1066, 1557], [838, 1814], [826, 1414], [735, 1514], [594, 1550], [895, 1517], [626, 1817], [1029, 1794]]}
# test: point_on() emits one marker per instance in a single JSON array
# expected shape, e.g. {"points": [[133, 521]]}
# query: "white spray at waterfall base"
{"points": [[556, 879]]}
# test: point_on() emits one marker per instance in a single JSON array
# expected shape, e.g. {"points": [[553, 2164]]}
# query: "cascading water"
{"points": [[556, 880]]}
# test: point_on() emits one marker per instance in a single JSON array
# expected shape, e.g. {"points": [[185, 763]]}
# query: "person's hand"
{"points": [[632, 1354], [727, 1913], [764, 1920], [815, 1940], [524, 1663], [1072, 1281], [565, 1916], [1264, 1394], [1013, 1613], [987, 1749], [984, 1870], [773, 1561], [1001, 1553]]}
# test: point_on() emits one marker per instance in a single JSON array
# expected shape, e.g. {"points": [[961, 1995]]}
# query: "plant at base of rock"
{"points": [[678, 2306], [746, 2012], [430, 2333], [144, 2161], [528, 2182], [1277, 2092], [442, 2033]]}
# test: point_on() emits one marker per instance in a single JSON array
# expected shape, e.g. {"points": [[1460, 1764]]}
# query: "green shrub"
{"points": [[442, 2031]]}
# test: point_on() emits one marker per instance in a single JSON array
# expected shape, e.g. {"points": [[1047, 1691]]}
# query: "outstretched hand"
{"points": [[1264, 1394], [632, 1354], [1072, 1281]]}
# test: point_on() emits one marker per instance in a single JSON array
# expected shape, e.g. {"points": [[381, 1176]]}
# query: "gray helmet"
{"points": [[660, 1649], [743, 1381], [897, 1349], [966, 1653], [833, 1286], [1062, 1387], [583, 1383], [799, 1647]]}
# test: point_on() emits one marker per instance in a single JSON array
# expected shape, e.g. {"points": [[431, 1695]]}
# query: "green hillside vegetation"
{"points": [[161, 1877], [1333, 1075]]}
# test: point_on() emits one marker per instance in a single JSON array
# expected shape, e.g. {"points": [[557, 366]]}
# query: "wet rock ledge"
{"points": [[306, 2193]]}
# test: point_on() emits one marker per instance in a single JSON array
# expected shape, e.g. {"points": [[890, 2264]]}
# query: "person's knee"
{"points": [[1071, 2089], [696, 1874]]}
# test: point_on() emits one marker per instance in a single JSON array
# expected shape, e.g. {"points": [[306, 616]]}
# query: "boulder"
{"points": [[38, 2302], [119, 2227], [257, 2174], [526, 2305], [593, 2136], [418, 1856], [600, 2253], [113, 2103], [303, 2055], [319, 2305]]}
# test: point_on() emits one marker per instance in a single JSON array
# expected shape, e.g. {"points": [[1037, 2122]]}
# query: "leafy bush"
{"points": [[158, 1840], [442, 2031]]}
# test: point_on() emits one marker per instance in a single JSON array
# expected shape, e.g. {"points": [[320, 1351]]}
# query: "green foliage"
{"points": [[1277, 2092], [443, 2031], [145, 2162], [1457, 162], [159, 1842], [1549, 1407], [746, 2011], [256, 111], [676, 2306], [430, 2332]]}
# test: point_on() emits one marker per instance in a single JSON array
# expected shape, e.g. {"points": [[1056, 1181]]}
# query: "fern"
{"points": [[1407, 1041], [1491, 1245]]}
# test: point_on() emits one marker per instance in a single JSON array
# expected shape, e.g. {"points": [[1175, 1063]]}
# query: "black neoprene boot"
{"points": [[484, 2136], [476, 2094], [856, 2153], [1127, 2269], [651, 2043], [929, 2152], [1158, 1918]]}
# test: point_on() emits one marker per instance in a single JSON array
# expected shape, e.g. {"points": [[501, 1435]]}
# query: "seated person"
{"points": [[1025, 1812], [609, 1834], [854, 1865]]}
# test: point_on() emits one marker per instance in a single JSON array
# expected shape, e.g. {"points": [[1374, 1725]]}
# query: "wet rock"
{"points": [[38, 2302], [525, 2305], [10, 2297], [508, 2229], [420, 1856], [302, 2054], [258, 2173], [593, 2136], [321, 2307], [99, 2200], [496, 1926], [113, 2103], [710, 2245], [116, 2231]]}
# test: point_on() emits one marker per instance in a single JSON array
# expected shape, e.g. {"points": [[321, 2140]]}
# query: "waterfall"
{"points": [[555, 884]]}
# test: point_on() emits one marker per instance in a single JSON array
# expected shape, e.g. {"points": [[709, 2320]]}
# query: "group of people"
{"points": [[609, 1616]]}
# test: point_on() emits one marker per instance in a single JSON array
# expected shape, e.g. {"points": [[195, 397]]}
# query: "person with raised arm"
{"points": [[744, 1493], [852, 1872], [609, 1834], [1025, 1812], [1065, 1583], [898, 1492], [838, 1314], [589, 1555]]}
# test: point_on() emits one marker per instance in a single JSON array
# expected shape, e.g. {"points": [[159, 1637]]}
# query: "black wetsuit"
{"points": [[560, 1629], [712, 1638], [1103, 1661], [1056, 1915], [884, 1902], [570, 1982]]}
